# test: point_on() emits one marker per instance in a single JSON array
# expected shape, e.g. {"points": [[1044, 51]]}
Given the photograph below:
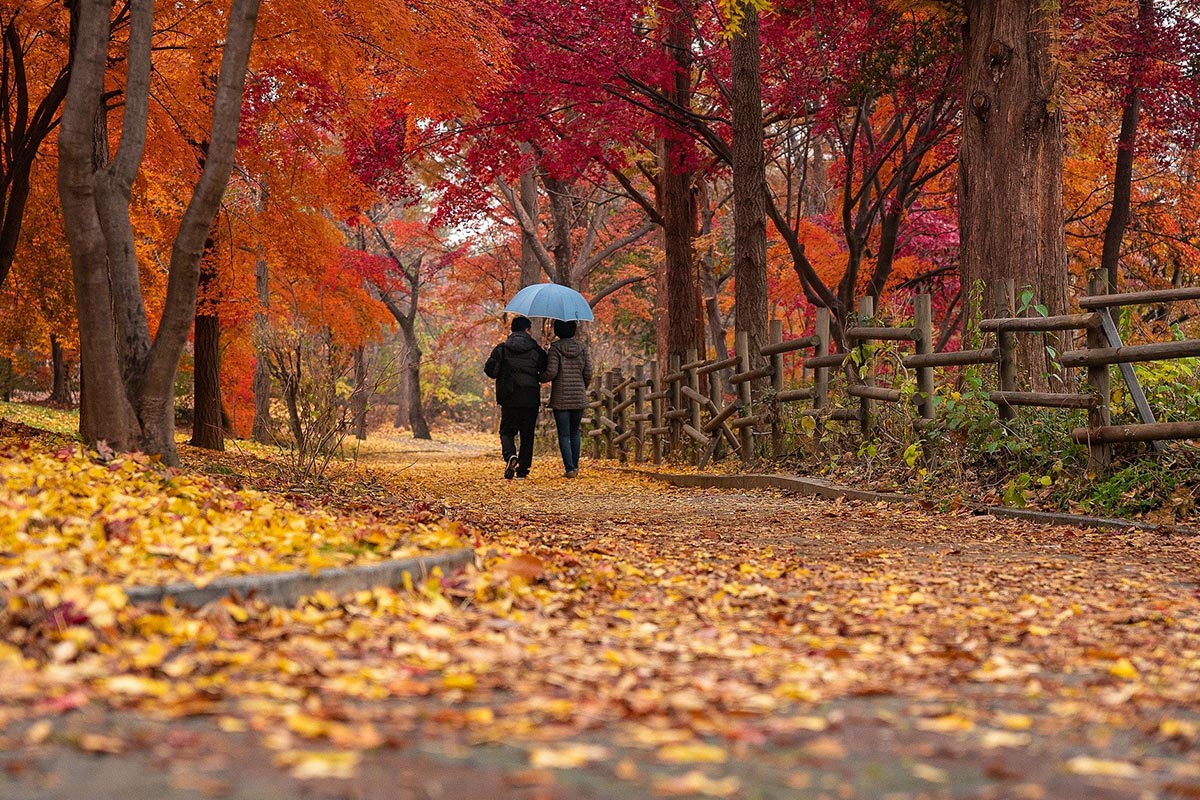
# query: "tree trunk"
{"points": [[60, 391], [208, 429], [708, 276], [403, 395], [675, 194], [561, 209], [261, 431], [358, 399], [130, 396], [412, 368], [749, 176], [1131, 106], [6, 379], [531, 267], [1011, 162], [25, 128], [106, 412]]}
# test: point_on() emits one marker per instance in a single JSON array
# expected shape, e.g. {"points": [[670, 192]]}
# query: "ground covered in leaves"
{"points": [[618, 638]]}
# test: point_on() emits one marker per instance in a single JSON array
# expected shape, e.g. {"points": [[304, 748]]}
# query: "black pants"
{"points": [[515, 421]]}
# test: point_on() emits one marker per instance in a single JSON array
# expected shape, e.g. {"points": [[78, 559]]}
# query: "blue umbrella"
{"points": [[552, 301]]}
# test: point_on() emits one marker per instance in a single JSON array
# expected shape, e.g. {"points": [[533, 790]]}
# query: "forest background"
{"points": [[402, 170]]}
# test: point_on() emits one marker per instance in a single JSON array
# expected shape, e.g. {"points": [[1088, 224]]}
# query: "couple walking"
{"points": [[519, 366]]}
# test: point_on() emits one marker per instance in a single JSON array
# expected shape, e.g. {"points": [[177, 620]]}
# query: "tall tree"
{"points": [[679, 297], [34, 40], [749, 181], [129, 376], [1010, 181]]}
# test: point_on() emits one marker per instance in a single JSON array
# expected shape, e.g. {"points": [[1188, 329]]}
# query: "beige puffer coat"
{"points": [[569, 366]]}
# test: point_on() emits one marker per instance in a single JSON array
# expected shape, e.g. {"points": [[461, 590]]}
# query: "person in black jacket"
{"points": [[515, 365]]}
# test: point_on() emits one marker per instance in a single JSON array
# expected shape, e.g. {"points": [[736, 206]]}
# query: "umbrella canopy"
{"points": [[552, 301]]}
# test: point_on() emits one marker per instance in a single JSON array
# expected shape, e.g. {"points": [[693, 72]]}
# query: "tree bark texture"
{"points": [[129, 378], [749, 177], [1011, 162], [412, 382], [60, 390], [710, 283], [208, 429], [1131, 106], [261, 432], [676, 203], [25, 128], [358, 398], [531, 267]]}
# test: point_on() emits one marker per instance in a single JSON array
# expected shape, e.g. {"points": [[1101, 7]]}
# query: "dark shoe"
{"points": [[511, 469], [572, 473], [523, 477]]}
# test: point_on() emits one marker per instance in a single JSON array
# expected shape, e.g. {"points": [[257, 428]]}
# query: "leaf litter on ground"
{"points": [[700, 624]]}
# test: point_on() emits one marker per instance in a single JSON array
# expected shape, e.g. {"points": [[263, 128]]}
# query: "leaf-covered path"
{"points": [[626, 639]]}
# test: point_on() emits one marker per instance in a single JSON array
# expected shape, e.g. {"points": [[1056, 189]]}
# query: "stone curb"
{"points": [[285, 588], [830, 491]]}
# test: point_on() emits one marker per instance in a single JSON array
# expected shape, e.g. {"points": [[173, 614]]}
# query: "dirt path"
{"points": [[627, 639]]}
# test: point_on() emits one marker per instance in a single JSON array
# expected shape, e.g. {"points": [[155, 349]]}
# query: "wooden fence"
{"points": [[704, 408]]}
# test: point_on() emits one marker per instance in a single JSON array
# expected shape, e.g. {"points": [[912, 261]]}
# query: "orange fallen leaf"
{"points": [[520, 566]]}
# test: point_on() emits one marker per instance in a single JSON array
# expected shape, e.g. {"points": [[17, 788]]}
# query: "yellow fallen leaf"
{"points": [[1123, 668], [947, 723], [97, 743], [458, 680], [136, 686], [39, 731], [992, 739], [693, 753], [1086, 765], [307, 725], [566, 757], [696, 782], [1178, 729], [1016, 722], [313, 764], [930, 773], [232, 724]]}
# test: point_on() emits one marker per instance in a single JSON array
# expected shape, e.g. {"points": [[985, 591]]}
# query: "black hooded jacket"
{"points": [[516, 365]]}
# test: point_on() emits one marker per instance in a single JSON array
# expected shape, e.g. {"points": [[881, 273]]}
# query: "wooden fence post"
{"points": [[776, 390], [676, 404], [821, 374], [595, 408], [610, 449], [1006, 344], [923, 322], [639, 412], [692, 376], [745, 395], [656, 414], [619, 413], [866, 310], [1100, 414]]}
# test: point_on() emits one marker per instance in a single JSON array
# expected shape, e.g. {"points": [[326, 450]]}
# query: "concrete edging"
{"points": [[830, 491], [285, 588]]}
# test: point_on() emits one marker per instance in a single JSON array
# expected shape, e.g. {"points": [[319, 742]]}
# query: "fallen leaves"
{"points": [[566, 756], [1086, 765], [313, 764], [627, 627], [75, 528]]}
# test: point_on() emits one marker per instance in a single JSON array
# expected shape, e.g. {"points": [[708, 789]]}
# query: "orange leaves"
{"points": [[524, 566], [608, 629]]}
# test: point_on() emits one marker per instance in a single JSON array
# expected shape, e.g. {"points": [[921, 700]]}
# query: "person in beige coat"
{"points": [[569, 371]]}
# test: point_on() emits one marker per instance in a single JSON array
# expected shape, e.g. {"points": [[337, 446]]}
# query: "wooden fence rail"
{"points": [[702, 408]]}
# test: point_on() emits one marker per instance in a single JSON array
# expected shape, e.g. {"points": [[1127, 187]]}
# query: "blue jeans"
{"points": [[567, 422]]}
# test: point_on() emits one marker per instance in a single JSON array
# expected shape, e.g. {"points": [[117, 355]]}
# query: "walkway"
{"points": [[627, 639]]}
